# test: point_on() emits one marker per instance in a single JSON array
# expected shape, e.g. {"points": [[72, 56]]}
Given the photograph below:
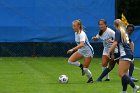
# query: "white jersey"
{"points": [[108, 34], [83, 37]]}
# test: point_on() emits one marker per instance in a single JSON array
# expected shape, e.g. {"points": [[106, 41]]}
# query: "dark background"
{"points": [[131, 10]]}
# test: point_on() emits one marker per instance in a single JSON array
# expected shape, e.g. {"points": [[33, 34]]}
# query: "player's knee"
{"points": [[120, 73], [104, 64]]}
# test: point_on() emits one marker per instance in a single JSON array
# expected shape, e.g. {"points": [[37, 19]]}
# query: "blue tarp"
{"points": [[50, 21], [136, 39]]}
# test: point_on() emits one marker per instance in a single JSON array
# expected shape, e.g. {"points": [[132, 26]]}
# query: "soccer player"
{"points": [[106, 35], [82, 50], [130, 29], [126, 55]]}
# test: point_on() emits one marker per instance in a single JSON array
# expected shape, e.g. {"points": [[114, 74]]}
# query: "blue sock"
{"points": [[124, 83], [127, 80], [131, 69], [104, 73]]}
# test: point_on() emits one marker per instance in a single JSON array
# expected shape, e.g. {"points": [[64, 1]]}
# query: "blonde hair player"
{"points": [[126, 55], [107, 35], [82, 50]]}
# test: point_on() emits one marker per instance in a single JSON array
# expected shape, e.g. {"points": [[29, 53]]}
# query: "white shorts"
{"points": [[105, 51], [86, 53]]}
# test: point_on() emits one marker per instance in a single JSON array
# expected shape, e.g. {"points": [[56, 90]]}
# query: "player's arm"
{"points": [[132, 46], [110, 41], [114, 45], [82, 42], [77, 47], [116, 41], [95, 38]]}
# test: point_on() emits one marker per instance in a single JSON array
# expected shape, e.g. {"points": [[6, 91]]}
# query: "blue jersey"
{"points": [[123, 47], [130, 40]]}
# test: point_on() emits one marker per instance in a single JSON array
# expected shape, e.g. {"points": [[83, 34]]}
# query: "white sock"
{"points": [[88, 73], [107, 76], [76, 63]]}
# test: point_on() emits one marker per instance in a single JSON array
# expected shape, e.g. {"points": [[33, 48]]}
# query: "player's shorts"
{"points": [[116, 56], [105, 51], [86, 52], [127, 58]]}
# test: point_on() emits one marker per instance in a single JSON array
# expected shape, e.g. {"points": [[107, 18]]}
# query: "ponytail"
{"points": [[118, 24], [124, 36]]}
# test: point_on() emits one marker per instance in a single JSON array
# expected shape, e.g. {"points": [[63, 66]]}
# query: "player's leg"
{"points": [[105, 61], [107, 70], [123, 68], [73, 60], [87, 61], [131, 69]]}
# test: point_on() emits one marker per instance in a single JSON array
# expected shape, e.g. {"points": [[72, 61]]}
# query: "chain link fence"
{"points": [[31, 49]]}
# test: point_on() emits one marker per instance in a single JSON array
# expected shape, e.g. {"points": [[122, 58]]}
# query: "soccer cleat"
{"points": [[99, 80], [134, 79], [90, 80], [83, 72], [123, 92], [107, 80], [136, 88]]}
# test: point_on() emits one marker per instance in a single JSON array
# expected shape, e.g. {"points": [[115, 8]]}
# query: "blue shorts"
{"points": [[127, 58]]}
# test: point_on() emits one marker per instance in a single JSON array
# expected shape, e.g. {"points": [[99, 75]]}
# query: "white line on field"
{"points": [[137, 68]]}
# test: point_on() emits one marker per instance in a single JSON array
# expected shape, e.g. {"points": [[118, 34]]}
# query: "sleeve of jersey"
{"points": [[82, 37], [97, 36], [118, 36]]}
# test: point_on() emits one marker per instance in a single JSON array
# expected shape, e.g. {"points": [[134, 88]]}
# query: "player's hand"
{"points": [[112, 57], [70, 51], [94, 38], [110, 41]]}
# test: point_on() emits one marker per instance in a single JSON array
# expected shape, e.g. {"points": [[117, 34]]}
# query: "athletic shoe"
{"points": [[107, 80], [83, 72], [134, 79], [136, 88], [90, 80], [123, 92], [99, 80]]}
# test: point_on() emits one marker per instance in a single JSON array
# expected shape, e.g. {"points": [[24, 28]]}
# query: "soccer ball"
{"points": [[63, 79]]}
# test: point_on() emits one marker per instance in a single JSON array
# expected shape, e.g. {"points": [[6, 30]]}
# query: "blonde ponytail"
{"points": [[119, 25], [124, 36]]}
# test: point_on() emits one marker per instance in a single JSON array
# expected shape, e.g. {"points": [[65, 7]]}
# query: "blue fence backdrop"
{"points": [[50, 20]]}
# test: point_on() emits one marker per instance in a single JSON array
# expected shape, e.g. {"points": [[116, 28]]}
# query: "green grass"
{"points": [[40, 75]]}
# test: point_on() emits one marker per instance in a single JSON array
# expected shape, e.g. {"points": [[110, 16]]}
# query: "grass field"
{"points": [[40, 75]]}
